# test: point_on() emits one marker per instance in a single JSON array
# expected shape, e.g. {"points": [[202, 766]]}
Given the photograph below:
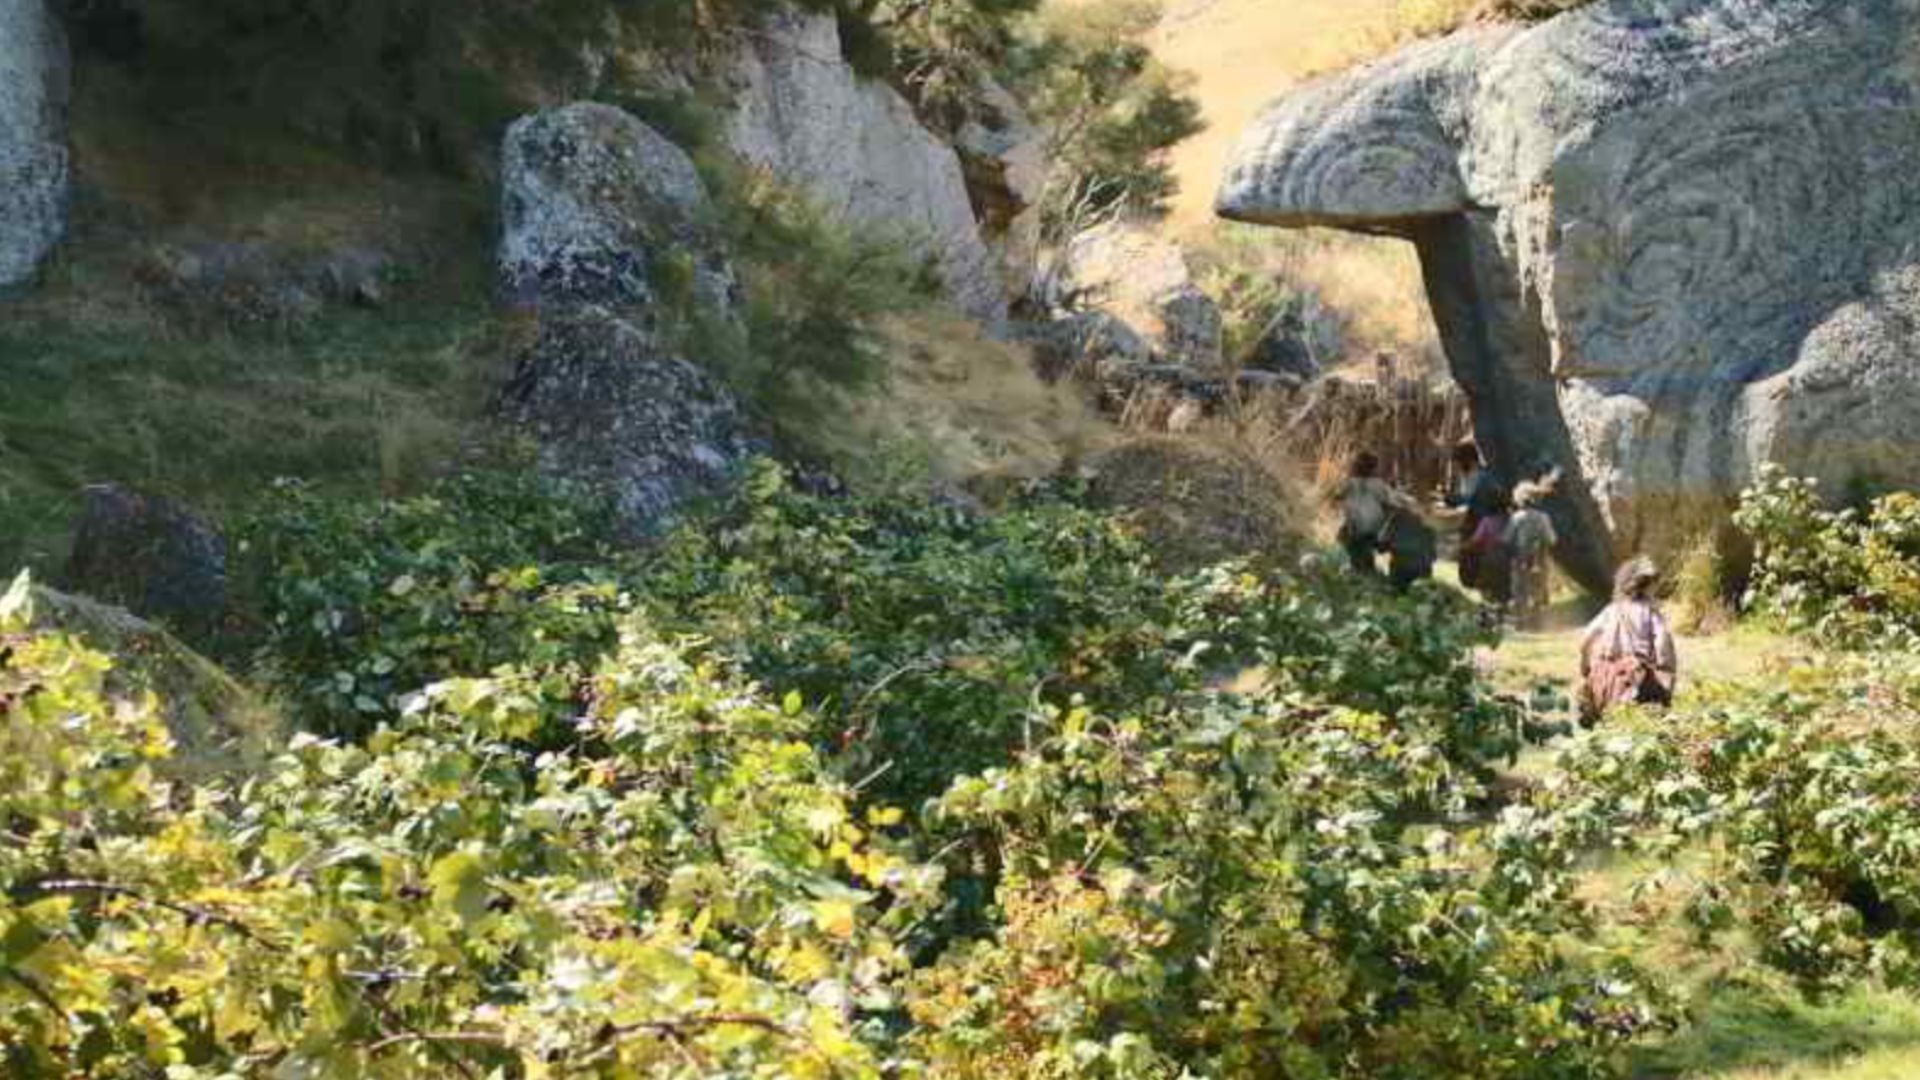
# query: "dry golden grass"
{"points": [[1204, 497], [1243, 53], [955, 405]]}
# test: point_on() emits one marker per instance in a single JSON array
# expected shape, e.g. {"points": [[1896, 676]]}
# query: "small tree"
{"points": [[1109, 108]]}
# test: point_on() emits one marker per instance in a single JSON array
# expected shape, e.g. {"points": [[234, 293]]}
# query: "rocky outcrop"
{"points": [[597, 207], [855, 145], [1665, 240], [606, 239], [1127, 271], [150, 555], [219, 727], [33, 137], [1004, 158], [614, 407]]}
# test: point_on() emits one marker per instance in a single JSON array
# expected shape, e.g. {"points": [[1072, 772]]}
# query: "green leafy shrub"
{"points": [[360, 603], [1805, 790], [1846, 576], [923, 631], [642, 868], [1325, 632], [681, 889], [1231, 891]]}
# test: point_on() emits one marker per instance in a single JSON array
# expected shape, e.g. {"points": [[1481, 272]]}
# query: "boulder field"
{"points": [[1665, 242]]}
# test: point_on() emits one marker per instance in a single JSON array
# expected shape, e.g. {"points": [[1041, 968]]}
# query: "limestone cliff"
{"points": [[801, 112]]}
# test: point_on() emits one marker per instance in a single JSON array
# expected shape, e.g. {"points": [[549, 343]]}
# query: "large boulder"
{"points": [[219, 727], [612, 405], [802, 113], [150, 555], [607, 240], [598, 208], [33, 137], [1665, 241]]}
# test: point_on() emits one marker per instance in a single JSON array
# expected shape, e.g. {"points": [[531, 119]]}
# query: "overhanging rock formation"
{"points": [[1665, 241]]}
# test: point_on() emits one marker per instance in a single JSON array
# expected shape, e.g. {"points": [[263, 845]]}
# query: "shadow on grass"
{"points": [[1746, 1028]]}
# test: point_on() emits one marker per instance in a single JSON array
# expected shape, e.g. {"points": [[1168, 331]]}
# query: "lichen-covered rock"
{"points": [[150, 555], [1666, 240], [598, 208], [1129, 272], [609, 240], [611, 405], [855, 145], [33, 137]]}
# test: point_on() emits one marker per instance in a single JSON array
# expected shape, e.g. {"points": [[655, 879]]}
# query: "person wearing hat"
{"points": [[1529, 539], [1627, 654]]}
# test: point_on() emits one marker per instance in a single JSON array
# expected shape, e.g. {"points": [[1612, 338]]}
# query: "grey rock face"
{"points": [[1004, 159], [1130, 273], [611, 406], [149, 555], [854, 145], [598, 208], [33, 137], [1665, 240], [606, 224]]}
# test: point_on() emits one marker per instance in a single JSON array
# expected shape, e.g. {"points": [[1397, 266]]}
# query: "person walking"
{"points": [[1411, 547], [1482, 497], [1365, 501], [1627, 653], [1529, 540]]}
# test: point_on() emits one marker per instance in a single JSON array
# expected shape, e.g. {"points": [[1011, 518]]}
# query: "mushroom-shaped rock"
{"points": [[1684, 241], [1371, 150]]}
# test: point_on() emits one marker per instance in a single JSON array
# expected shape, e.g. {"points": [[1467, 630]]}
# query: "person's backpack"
{"points": [[1489, 534]]}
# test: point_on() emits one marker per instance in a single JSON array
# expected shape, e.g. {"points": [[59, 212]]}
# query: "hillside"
{"points": [[726, 539], [1240, 54]]}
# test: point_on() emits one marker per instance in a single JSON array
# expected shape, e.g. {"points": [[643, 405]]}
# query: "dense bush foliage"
{"points": [[683, 886], [682, 889], [360, 603], [1231, 890], [923, 632], [1850, 577], [863, 786], [603, 852], [1803, 794]]}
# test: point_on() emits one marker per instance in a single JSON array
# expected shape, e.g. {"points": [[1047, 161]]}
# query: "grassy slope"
{"points": [[98, 390]]}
